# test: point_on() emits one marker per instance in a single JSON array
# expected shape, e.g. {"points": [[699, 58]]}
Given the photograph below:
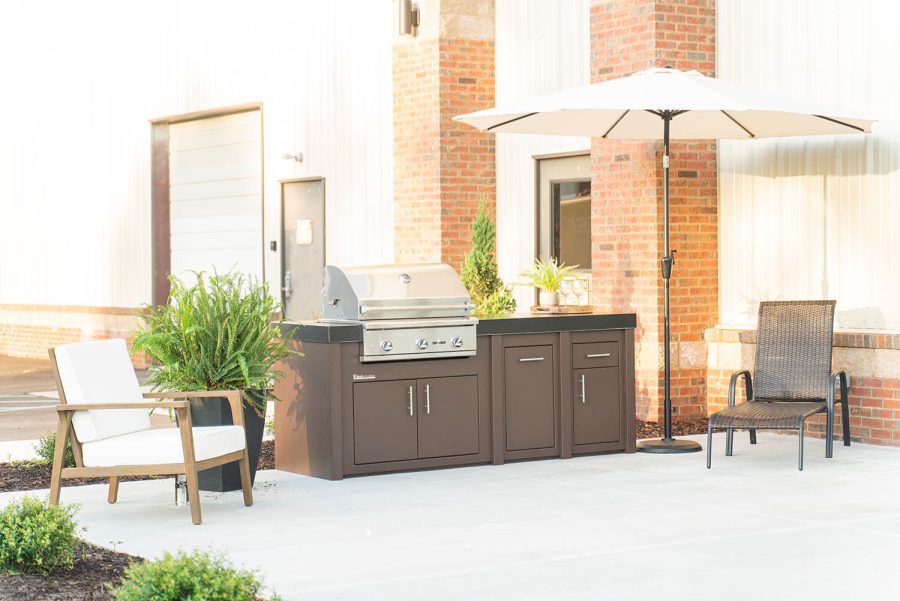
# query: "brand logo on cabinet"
{"points": [[357, 377]]}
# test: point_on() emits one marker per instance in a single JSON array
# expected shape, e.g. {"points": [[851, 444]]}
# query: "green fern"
{"points": [[218, 334]]}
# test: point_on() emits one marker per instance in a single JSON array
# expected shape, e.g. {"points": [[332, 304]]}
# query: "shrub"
{"points": [[46, 447], [479, 269], [37, 537], [198, 576]]}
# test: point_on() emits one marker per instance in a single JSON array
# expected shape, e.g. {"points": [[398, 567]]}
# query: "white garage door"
{"points": [[215, 179]]}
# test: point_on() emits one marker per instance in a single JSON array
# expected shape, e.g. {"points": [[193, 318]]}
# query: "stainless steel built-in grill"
{"points": [[406, 311]]}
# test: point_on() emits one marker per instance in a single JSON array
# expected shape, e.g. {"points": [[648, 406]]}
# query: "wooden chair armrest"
{"points": [[233, 396], [147, 405]]}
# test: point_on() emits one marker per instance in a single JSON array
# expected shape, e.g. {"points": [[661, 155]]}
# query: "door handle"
{"points": [[286, 285], [411, 404], [428, 399], [527, 359], [596, 355], [583, 391]]}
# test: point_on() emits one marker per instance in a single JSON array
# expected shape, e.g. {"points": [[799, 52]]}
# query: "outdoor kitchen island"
{"points": [[537, 386]]}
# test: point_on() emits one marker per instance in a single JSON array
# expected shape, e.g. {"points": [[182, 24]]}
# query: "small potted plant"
{"points": [[548, 275], [219, 333]]}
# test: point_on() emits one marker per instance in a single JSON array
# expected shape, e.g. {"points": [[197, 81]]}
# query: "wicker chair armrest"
{"points": [[732, 386]]}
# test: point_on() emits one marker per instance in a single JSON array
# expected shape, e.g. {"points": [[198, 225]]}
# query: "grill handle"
{"points": [[363, 309]]}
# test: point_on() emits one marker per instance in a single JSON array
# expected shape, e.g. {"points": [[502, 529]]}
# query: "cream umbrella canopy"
{"points": [[664, 104]]}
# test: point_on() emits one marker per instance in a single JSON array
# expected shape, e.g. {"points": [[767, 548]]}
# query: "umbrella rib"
{"points": [[622, 116], [840, 123], [738, 123], [511, 121]]}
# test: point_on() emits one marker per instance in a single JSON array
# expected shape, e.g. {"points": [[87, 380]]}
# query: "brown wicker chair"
{"points": [[793, 377]]}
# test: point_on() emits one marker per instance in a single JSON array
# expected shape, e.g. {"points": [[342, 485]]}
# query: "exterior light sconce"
{"points": [[409, 17], [296, 156]]}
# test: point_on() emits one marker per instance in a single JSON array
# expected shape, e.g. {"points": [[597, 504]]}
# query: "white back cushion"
{"points": [[101, 372]]}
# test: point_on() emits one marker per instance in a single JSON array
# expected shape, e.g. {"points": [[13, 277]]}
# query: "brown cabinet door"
{"points": [[448, 416], [384, 421], [597, 411], [530, 403]]}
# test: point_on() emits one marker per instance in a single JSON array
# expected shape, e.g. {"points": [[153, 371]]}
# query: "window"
{"points": [[564, 210]]}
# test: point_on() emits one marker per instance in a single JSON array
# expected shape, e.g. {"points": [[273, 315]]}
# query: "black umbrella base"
{"points": [[669, 446]]}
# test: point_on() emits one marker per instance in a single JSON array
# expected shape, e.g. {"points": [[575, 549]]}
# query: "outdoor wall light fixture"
{"points": [[409, 17], [296, 156]]}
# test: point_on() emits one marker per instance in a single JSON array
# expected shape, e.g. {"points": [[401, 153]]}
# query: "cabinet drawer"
{"points": [[595, 354]]}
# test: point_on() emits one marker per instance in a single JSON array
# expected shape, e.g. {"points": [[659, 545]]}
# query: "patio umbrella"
{"points": [[665, 103]]}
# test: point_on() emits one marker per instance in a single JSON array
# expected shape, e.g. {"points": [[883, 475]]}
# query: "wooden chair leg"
{"points": [[113, 489], [246, 483], [193, 492], [59, 456]]}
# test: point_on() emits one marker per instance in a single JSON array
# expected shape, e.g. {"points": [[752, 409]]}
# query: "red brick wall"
{"points": [[627, 217], [441, 167]]}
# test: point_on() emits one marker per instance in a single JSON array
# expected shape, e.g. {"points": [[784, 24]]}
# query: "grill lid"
{"points": [[414, 291]]}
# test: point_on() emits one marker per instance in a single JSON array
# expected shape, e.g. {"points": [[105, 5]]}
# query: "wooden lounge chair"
{"points": [[793, 379], [106, 417]]}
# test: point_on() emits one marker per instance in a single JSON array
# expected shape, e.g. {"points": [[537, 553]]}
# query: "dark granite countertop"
{"points": [[524, 323]]}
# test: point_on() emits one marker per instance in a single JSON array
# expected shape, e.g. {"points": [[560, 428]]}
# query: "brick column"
{"points": [[442, 168], [626, 212]]}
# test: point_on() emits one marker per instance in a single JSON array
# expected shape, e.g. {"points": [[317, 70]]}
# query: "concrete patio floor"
{"points": [[617, 527]]}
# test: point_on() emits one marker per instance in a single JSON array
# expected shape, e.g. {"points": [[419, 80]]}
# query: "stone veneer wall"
{"points": [[626, 213]]}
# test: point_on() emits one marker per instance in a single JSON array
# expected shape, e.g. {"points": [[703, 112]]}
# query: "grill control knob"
{"points": [[456, 342], [421, 344], [387, 346]]}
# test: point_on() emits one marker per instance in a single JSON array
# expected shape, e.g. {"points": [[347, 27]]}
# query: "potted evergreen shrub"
{"points": [[219, 333], [548, 275], [479, 270]]}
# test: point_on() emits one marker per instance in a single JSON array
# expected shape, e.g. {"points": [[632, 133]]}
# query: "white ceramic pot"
{"points": [[549, 299]]}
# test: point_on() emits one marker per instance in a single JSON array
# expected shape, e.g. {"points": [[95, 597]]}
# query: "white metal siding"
{"points": [[813, 217], [542, 47], [215, 194], [75, 145]]}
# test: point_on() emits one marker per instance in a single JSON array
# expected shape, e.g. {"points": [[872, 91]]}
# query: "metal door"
{"points": [[384, 421], [448, 416], [596, 416], [530, 404], [302, 247]]}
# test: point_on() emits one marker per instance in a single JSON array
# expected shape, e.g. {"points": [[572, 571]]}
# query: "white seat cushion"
{"points": [[101, 372], [162, 445]]}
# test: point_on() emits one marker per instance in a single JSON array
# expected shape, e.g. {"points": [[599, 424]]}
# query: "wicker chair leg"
{"points": [[829, 434], [729, 442], [752, 435], [708, 446], [845, 416], [800, 460]]}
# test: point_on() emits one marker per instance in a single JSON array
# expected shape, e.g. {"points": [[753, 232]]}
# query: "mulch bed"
{"points": [[686, 428], [94, 567], [26, 476]]}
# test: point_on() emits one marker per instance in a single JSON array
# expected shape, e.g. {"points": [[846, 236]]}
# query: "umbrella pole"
{"points": [[667, 444]]}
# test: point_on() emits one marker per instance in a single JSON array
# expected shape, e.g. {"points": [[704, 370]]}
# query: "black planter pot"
{"points": [[216, 411]]}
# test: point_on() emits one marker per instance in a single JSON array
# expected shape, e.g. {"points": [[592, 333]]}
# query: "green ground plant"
{"points": [[46, 447], [217, 334], [197, 576], [36, 537], [479, 269]]}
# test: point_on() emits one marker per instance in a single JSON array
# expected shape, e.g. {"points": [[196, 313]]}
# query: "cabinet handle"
{"points": [[411, 410], [596, 355], [527, 359], [583, 391], [428, 399]]}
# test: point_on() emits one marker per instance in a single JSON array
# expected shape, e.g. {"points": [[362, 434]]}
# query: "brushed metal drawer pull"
{"points": [[428, 399], [596, 355], [411, 411], [526, 359]]}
